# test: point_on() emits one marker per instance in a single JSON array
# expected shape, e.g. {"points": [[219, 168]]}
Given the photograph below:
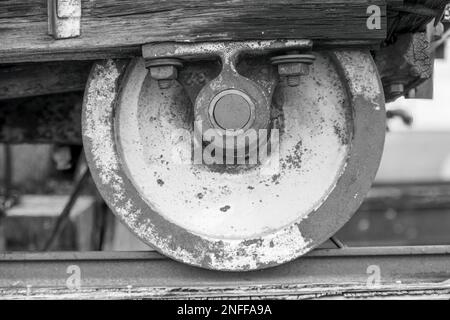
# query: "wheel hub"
{"points": [[232, 110]]}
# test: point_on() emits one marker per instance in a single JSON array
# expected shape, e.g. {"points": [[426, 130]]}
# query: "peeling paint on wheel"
{"points": [[312, 157], [269, 248]]}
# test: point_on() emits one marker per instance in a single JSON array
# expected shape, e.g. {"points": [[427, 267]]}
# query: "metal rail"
{"points": [[329, 273]]}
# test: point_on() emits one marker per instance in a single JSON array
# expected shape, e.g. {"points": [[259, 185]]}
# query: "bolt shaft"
{"points": [[293, 81]]}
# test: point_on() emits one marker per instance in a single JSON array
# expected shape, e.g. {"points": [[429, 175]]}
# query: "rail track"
{"points": [[366, 273]]}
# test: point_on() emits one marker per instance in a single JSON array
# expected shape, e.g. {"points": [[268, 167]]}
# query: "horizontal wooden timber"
{"points": [[35, 79], [118, 28]]}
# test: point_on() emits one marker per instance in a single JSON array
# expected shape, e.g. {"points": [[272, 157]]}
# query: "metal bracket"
{"points": [[64, 18], [210, 105], [230, 90], [226, 50]]}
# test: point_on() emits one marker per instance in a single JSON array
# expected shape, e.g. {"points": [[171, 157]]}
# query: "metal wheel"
{"points": [[238, 217]]}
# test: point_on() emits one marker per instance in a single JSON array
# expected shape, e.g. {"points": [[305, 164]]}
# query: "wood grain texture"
{"points": [[118, 28], [35, 79]]}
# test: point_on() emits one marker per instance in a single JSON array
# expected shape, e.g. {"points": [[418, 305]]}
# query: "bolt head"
{"points": [[164, 72]]}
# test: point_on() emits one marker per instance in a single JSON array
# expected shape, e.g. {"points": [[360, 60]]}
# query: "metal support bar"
{"points": [[226, 50], [63, 217], [338, 243], [64, 18], [347, 272]]}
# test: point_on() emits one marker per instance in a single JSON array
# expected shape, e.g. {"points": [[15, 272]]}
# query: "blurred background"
{"points": [[410, 201]]}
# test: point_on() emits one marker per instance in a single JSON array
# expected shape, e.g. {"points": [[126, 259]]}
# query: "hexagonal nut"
{"points": [[293, 69], [164, 72]]}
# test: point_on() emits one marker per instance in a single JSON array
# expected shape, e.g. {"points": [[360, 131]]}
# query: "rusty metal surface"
{"points": [[44, 119], [404, 65], [336, 273], [358, 75]]}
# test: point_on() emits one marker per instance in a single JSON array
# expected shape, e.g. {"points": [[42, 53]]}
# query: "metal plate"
{"points": [[331, 139], [404, 272]]}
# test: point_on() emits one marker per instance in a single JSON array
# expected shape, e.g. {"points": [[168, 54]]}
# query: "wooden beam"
{"points": [[118, 28], [35, 79]]}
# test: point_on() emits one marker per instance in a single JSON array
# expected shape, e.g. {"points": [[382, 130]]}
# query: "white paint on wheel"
{"points": [[313, 152]]}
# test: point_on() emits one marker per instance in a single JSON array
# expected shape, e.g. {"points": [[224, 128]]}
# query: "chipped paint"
{"points": [[282, 246], [129, 174], [312, 157], [98, 124], [358, 67], [225, 50]]}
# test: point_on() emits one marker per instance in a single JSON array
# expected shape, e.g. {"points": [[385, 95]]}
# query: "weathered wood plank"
{"points": [[118, 28], [425, 196]]}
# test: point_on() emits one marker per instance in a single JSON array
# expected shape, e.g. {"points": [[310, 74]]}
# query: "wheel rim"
{"points": [[233, 228]]}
